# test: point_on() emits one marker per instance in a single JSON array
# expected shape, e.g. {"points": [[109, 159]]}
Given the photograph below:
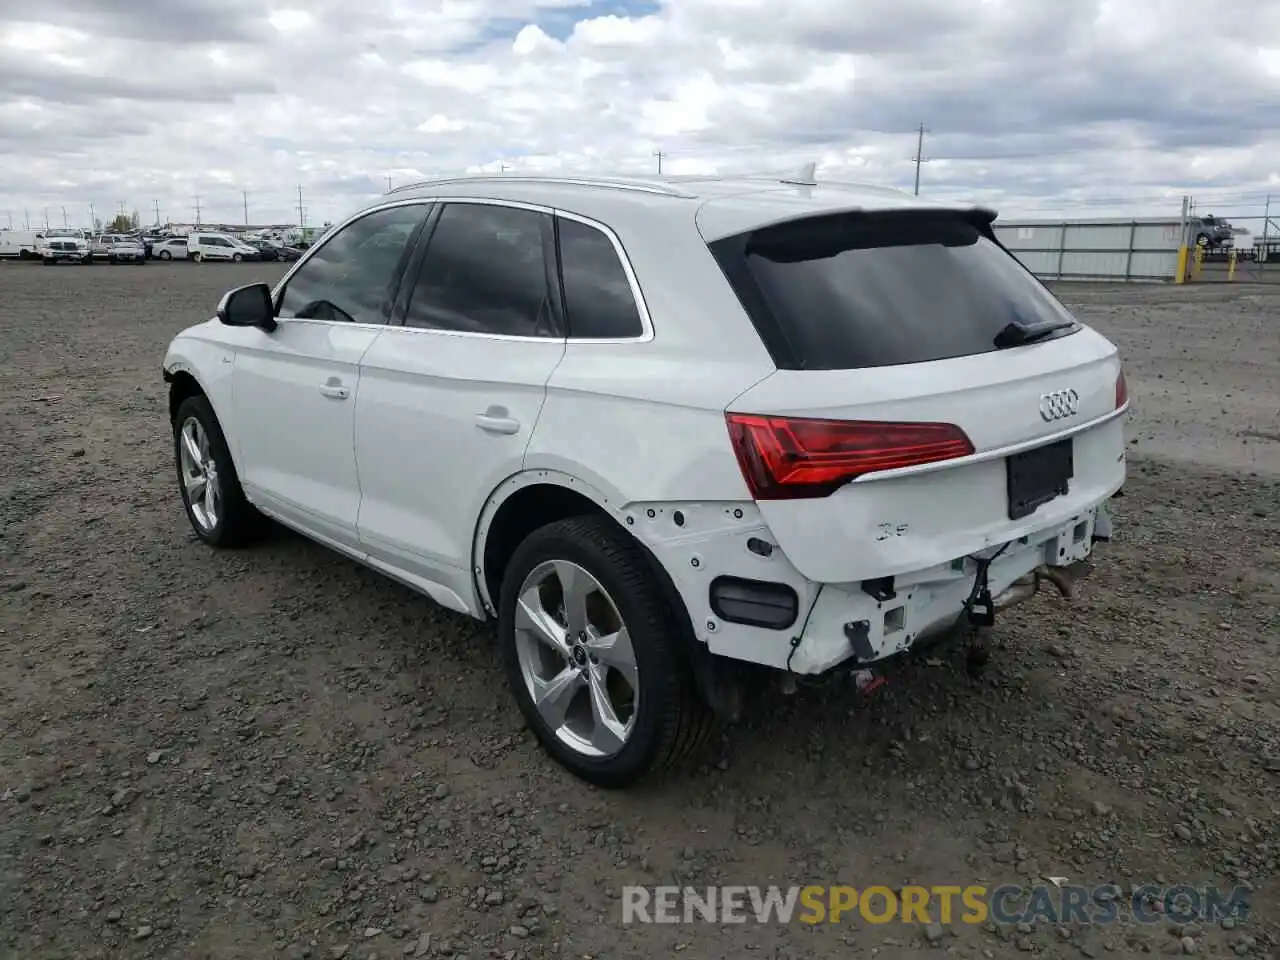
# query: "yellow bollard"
{"points": [[1182, 264], [1199, 260], [1231, 264]]}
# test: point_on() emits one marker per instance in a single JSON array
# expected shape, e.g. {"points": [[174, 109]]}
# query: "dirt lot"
{"points": [[277, 753]]}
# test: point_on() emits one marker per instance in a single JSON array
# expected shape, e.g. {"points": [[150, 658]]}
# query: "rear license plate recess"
{"points": [[1034, 477]]}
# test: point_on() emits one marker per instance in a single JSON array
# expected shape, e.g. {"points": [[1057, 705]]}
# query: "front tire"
{"points": [[592, 651], [197, 257], [215, 504], [165, 255], [237, 258]]}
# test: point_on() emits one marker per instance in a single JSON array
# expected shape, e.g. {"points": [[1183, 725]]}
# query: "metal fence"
{"points": [[1152, 249], [1110, 249]]}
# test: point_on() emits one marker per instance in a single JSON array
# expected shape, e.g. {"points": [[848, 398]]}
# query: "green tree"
{"points": [[120, 223]]}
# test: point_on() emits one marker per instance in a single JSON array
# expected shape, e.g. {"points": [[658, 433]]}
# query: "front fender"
{"points": [[210, 365]]}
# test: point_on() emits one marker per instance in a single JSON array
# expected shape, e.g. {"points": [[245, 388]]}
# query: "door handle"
{"points": [[334, 391], [495, 424]]}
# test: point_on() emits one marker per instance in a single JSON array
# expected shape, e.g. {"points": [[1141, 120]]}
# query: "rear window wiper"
{"points": [[1017, 334]]}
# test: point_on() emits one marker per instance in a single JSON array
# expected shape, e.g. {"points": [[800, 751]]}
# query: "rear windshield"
{"points": [[848, 291]]}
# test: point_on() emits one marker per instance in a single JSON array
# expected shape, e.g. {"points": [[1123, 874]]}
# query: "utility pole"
{"points": [[388, 183], [26, 215], [64, 217], [197, 210], [919, 158], [302, 213], [659, 154], [1266, 221], [245, 195], [93, 220], [156, 204], [46, 218]]}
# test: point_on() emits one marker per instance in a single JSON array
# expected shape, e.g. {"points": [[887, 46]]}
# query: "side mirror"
{"points": [[248, 306]]}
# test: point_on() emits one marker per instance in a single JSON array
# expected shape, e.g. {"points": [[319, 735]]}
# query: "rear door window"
{"points": [[849, 291], [485, 271]]}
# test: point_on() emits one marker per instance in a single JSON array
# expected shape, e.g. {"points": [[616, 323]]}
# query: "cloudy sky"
{"points": [[1037, 107]]}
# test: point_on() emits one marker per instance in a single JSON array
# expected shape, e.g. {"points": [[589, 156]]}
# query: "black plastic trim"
{"points": [[754, 603]]}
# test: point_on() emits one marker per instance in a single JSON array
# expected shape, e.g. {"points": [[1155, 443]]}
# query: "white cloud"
{"points": [[1074, 106]]}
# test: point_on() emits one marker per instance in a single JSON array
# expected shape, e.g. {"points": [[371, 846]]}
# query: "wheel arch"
{"points": [[531, 499]]}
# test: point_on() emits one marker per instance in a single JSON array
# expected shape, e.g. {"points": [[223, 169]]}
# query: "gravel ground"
{"points": [[276, 753]]}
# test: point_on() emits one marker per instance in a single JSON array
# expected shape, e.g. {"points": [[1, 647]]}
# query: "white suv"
{"points": [[661, 431]]}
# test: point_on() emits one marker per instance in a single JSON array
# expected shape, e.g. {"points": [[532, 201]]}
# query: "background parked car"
{"points": [[170, 248], [122, 249], [266, 250]]}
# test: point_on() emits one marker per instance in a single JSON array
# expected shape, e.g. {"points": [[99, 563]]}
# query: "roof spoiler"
{"points": [[981, 216]]}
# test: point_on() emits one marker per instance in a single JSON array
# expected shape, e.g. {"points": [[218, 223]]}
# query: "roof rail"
{"points": [[617, 183]]}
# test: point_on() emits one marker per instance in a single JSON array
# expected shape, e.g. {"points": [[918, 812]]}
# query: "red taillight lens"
{"points": [[786, 458], [1122, 391]]}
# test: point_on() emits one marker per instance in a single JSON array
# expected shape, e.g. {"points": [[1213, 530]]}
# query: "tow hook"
{"points": [[868, 681]]}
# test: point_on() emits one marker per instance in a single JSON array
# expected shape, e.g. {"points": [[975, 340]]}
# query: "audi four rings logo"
{"points": [[1059, 404]]}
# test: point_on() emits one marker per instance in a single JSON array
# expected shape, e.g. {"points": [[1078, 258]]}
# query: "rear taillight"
{"points": [[786, 458], [1122, 391]]}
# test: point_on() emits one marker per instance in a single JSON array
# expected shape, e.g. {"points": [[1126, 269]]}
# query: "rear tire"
{"points": [[237, 258], [225, 517], [197, 257], [661, 719], [165, 255]]}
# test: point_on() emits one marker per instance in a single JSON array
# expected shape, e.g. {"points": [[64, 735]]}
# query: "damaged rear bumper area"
{"points": [[855, 626]]}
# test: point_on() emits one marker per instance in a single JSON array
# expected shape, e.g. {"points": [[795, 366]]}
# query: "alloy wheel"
{"points": [[576, 658], [199, 475]]}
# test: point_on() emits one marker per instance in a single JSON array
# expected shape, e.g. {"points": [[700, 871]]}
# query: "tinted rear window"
{"points": [[849, 291]]}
